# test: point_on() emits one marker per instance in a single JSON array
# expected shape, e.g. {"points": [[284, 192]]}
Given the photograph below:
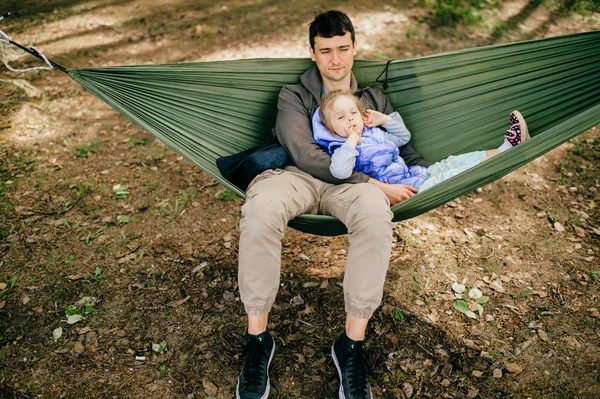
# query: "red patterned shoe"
{"points": [[517, 133]]}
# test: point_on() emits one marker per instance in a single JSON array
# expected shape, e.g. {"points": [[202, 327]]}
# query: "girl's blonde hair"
{"points": [[328, 100]]}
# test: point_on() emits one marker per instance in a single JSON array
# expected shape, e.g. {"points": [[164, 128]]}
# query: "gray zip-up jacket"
{"points": [[295, 109]]}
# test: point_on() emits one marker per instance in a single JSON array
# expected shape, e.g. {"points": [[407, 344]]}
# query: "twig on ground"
{"points": [[207, 185], [58, 213]]}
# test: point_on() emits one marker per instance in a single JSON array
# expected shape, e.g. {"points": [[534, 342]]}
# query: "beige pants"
{"points": [[277, 196]]}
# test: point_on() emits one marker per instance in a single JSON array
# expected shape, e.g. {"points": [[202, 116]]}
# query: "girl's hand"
{"points": [[353, 138], [373, 118]]}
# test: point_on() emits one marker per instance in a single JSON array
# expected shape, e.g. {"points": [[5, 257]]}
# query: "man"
{"points": [[276, 196]]}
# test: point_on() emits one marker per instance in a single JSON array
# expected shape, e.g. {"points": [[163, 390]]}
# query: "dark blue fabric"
{"points": [[241, 168]]}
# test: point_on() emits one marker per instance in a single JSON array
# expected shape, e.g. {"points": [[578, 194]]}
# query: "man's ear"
{"points": [[355, 47], [312, 53]]}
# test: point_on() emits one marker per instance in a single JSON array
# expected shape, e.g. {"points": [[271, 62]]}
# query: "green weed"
{"points": [[226, 195], [178, 205], [84, 150], [450, 13], [136, 141]]}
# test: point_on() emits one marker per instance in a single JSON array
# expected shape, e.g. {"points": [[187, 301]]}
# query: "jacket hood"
{"points": [[323, 136]]}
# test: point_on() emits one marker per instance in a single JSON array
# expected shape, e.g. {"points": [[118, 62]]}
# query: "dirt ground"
{"points": [[128, 292]]}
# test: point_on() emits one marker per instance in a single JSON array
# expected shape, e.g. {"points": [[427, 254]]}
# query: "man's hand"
{"points": [[395, 193], [373, 118]]}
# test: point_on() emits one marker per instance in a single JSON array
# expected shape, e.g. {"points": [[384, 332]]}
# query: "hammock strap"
{"points": [[7, 41], [385, 83]]}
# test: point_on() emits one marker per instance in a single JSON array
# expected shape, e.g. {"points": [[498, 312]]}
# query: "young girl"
{"points": [[354, 140]]}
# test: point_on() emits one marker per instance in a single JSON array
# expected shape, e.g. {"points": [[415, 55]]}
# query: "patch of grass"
{"points": [[84, 150], [583, 7], [136, 141], [450, 13], [8, 287], [577, 151], [179, 204], [20, 163]]}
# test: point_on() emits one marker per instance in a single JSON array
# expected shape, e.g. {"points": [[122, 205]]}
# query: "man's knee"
{"points": [[370, 203], [265, 209]]}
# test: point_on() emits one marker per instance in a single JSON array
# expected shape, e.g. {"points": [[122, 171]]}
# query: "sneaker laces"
{"points": [[255, 361], [357, 366]]}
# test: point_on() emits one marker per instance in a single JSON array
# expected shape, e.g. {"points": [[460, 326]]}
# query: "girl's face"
{"points": [[345, 117]]}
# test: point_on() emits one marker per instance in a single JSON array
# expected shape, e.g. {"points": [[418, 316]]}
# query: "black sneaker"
{"points": [[351, 362], [253, 382]]}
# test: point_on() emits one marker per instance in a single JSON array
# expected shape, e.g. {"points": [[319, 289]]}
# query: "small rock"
{"points": [[558, 226], [594, 313], [477, 373], [513, 368], [442, 353], [408, 390], [497, 373], [209, 388], [228, 296], [446, 382], [572, 342], [543, 336], [297, 301], [473, 392]]}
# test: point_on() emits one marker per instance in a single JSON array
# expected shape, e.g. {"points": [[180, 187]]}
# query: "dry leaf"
{"points": [[180, 302], [496, 285], [497, 373], [78, 347], [594, 313]]}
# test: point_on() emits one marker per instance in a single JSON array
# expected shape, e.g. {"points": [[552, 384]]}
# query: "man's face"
{"points": [[334, 56]]}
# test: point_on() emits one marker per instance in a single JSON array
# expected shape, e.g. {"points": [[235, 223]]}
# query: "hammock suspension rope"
{"points": [[6, 41]]}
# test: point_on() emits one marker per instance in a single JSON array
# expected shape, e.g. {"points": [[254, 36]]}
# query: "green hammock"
{"points": [[452, 103]]}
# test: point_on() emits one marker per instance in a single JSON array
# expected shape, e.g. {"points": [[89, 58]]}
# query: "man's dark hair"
{"points": [[329, 24]]}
